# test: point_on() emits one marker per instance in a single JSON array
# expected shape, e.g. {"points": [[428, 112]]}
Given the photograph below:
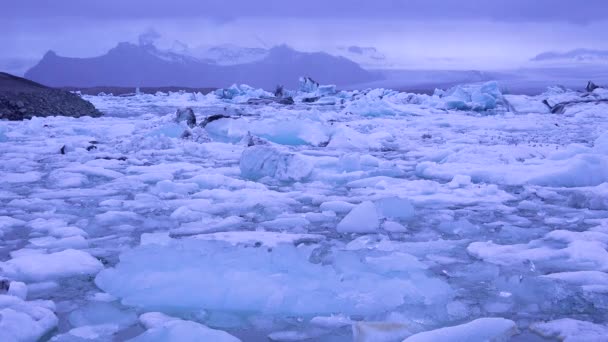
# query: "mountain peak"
{"points": [[49, 54], [576, 55], [129, 64]]}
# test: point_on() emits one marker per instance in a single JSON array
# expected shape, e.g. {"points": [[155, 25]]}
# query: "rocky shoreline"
{"points": [[23, 99]]}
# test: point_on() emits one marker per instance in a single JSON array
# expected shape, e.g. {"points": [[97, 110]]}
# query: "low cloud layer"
{"points": [[465, 34], [497, 10]]}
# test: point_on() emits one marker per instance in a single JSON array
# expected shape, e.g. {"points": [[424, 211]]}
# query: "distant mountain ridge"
{"points": [[577, 55], [143, 65]]}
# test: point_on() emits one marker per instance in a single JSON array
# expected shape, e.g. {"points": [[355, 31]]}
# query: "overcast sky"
{"points": [[471, 34]]}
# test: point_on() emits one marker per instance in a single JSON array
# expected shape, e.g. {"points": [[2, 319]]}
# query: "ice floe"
{"points": [[317, 213]]}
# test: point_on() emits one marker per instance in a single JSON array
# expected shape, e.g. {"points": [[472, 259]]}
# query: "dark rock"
{"points": [[23, 99], [62, 150], [310, 99], [214, 117], [591, 86], [92, 147], [264, 101], [279, 91], [4, 285], [186, 114], [123, 158], [287, 101]]}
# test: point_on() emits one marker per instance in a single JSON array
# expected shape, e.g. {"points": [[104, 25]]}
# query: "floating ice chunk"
{"points": [[296, 335], [261, 238], [266, 161], [459, 227], [582, 170], [17, 289], [155, 319], [571, 330], [479, 330], [223, 224], [169, 130], [325, 90], [333, 321], [21, 177], [347, 138], [308, 85], [3, 137], [42, 267], [362, 219], [373, 107], [25, 321], [380, 331], [459, 181], [36, 289], [394, 227], [577, 255], [601, 144], [291, 132], [578, 171], [396, 262], [8, 223], [286, 223], [478, 97], [186, 331], [395, 208], [92, 171], [338, 207], [187, 115], [526, 104], [102, 332], [350, 162], [76, 242], [241, 93], [113, 217], [170, 187], [287, 281], [586, 279], [98, 313], [62, 179]]}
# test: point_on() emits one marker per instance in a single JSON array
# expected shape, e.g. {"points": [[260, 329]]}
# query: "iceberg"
{"points": [[479, 330], [241, 93], [266, 161], [362, 219], [180, 330], [42, 267], [480, 97], [308, 85], [25, 321], [217, 276]]}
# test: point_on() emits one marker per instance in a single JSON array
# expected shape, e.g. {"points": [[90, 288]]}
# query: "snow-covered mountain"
{"points": [[367, 57], [226, 54], [131, 65], [229, 54], [587, 56]]}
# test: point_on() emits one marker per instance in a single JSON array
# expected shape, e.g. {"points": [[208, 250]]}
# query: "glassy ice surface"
{"points": [[371, 215]]}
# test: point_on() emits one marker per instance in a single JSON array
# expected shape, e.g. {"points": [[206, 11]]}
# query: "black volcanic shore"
{"points": [[23, 99]]}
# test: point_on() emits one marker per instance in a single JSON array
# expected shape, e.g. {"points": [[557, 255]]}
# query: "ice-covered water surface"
{"points": [[366, 216]]}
